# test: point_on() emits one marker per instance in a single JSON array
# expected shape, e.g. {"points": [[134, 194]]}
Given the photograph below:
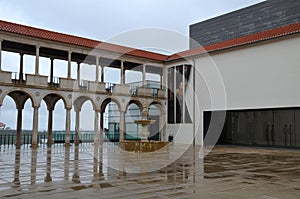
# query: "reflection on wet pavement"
{"points": [[106, 172]]}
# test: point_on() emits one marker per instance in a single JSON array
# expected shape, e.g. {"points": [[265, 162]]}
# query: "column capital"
{"points": [[50, 109], [97, 110], [20, 107], [36, 106], [68, 108], [37, 46], [77, 109], [1, 39]]}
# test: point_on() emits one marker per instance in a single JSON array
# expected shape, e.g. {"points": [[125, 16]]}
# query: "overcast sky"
{"points": [[159, 25]]}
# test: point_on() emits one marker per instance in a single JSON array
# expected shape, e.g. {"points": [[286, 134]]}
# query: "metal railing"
{"points": [[133, 90], [154, 92], [17, 77], [8, 138], [54, 82], [148, 84], [84, 85], [109, 87]]}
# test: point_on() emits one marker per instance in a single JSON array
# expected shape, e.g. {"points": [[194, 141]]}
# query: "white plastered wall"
{"points": [[265, 75]]}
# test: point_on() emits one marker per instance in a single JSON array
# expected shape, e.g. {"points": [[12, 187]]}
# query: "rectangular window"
{"points": [[171, 96], [178, 79]]}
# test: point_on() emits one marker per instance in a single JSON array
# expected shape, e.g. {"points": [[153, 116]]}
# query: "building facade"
{"points": [[237, 90]]}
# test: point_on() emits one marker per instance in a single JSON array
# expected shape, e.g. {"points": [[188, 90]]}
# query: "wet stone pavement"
{"points": [[90, 171]]}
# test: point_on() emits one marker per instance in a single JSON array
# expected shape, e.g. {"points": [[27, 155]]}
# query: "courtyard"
{"points": [[89, 171]]}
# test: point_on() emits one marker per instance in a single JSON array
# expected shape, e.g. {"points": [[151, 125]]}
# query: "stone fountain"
{"points": [[145, 122], [144, 145]]}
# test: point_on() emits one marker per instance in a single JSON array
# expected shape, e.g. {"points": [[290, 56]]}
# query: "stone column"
{"points": [[68, 127], [1, 54], [19, 128], [96, 124], [21, 67], [34, 143], [97, 69], [122, 126], [96, 145], [165, 79], [37, 60], [100, 160], [77, 120], [69, 64], [101, 128], [122, 73], [164, 125], [51, 70], [50, 123], [144, 75]]}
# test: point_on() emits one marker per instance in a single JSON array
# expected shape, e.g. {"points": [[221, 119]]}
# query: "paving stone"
{"points": [[226, 172]]}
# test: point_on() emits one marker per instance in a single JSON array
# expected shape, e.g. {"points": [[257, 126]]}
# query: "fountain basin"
{"points": [[144, 146]]}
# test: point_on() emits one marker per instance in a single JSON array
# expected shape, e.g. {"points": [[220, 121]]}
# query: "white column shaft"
{"points": [[101, 128], [144, 75], [37, 60], [122, 125], [97, 69], [96, 132], [35, 127], [165, 78], [77, 126], [68, 125], [69, 64]]}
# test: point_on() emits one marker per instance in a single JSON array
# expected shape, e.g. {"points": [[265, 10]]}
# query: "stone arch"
{"points": [[81, 99], [160, 128], [60, 95], [9, 91], [137, 102], [107, 101], [159, 105], [117, 128]]}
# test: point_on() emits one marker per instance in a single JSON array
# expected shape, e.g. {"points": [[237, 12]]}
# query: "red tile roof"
{"points": [[80, 41], [249, 39], [75, 40]]}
